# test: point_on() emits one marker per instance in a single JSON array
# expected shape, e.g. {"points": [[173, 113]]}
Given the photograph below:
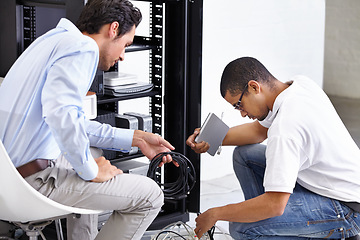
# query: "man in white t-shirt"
{"points": [[305, 182]]}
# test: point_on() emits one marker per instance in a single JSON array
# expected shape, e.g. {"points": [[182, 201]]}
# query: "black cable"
{"points": [[211, 232], [167, 231], [185, 181]]}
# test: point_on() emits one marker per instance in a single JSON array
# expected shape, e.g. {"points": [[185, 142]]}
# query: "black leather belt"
{"points": [[353, 205], [33, 167]]}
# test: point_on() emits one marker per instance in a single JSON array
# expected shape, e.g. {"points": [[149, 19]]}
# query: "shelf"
{"points": [[159, 1], [110, 99], [137, 48], [142, 42], [162, 220], [126, 157], [54, 2]]}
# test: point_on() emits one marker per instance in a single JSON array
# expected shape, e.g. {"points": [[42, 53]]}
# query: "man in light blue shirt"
{"points": [[42, 119]]}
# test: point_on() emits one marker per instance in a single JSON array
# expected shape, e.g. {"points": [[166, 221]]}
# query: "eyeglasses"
{"points": [[237, 105]]}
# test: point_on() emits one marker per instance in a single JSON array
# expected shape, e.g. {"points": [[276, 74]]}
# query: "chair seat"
{"points": [[19, 202]]}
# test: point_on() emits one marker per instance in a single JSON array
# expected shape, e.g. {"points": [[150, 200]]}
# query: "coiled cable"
{"points": [[186, 178]]}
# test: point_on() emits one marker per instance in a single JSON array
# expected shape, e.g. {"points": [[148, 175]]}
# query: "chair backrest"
{"points": [[19, 202]]}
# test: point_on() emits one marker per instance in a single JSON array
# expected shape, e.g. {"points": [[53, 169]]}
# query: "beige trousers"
{"points": [[136, 201]]}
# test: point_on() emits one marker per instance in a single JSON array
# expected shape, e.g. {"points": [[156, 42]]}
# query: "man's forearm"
{"points": [[248, 133], [265, 206]]}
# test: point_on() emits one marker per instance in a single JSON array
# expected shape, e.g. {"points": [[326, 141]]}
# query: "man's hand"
{"points": [[197, 147], [106, 170], [151, 144], [264, 206], [205, 221]]}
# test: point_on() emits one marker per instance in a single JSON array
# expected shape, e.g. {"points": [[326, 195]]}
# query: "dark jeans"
{"points": [[306, 216]]}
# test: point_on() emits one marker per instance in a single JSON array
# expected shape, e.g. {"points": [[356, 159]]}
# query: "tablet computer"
{"points": [[212, 131]]}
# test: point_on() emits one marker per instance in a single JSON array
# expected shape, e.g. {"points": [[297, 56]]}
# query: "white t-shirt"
{"points": [[308, 143]]}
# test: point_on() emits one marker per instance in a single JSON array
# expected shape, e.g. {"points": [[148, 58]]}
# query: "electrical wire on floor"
{"points": [[186, 178], [181, 231], [177, 230], [215, 230]]}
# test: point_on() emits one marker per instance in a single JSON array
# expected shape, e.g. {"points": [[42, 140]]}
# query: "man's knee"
{"points": [[156, 194], [242, 153], [159, 201]]}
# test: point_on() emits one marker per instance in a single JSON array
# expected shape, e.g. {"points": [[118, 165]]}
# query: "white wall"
{"points": [[287, 36], [342, 48]]}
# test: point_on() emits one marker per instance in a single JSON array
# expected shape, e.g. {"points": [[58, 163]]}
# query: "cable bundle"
{"points": [[183, 231], [177, 230], [185, 181]]}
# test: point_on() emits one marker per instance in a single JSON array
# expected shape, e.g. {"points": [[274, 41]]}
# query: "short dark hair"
{"points": [[97, 13], [239, 72]]}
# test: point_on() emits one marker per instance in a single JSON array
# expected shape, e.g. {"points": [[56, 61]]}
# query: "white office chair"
{"points": [[24, 206]]}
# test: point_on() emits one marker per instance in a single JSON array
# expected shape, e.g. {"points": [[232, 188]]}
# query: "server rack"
{"points": [[175, 45]]}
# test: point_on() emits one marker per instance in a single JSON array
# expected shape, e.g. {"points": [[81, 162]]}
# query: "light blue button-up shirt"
{"points": [[41, 98]]}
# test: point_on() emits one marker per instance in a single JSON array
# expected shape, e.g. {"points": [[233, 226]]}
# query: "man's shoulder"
{"points": [[304, 81], [68, 36]]}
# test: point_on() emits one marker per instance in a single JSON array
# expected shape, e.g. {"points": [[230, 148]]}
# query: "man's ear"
{"points": [[254, 86], [113, 30]]}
